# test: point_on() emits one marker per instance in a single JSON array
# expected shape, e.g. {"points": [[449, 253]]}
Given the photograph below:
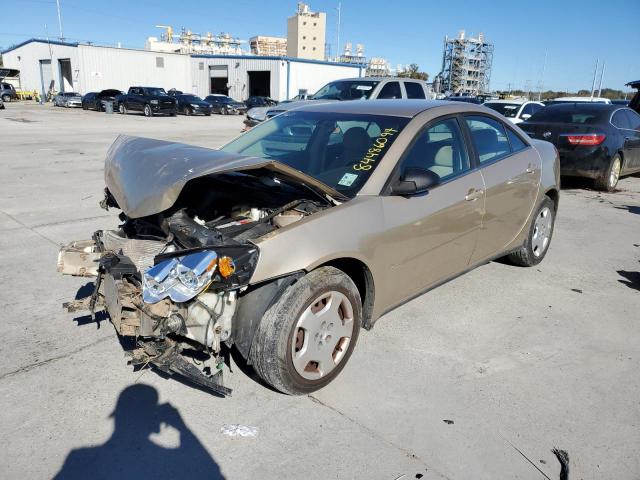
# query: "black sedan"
{"points": [[225, 105], [257, 101], [594, 140], [95, 100], [192, 105]]}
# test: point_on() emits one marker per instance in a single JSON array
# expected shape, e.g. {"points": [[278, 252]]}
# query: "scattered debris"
{"points": [[544, 462], [563, 458], [577, 290], [448, 422], [236, 430]]}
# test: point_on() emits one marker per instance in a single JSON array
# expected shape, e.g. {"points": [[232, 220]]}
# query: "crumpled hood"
{"points": [[146, 176]]}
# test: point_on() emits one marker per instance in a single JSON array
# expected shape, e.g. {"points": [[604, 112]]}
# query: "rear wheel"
{"points": [[537, 243], [6, 98], [608, 179], [147, 111], [305, 339]]}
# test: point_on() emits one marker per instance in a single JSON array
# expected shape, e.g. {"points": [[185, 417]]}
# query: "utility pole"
{"points": [[601, 75], [544, 67], [595, 75], [60, 21], [338, 32]]}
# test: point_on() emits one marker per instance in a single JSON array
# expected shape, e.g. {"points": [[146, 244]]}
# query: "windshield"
{"points": [[507, 109], [346, 90], [339, 149], [190, 98], [155, 91]]}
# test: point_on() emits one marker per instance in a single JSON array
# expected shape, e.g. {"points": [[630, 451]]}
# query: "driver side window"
{"points": [[441, 149]]}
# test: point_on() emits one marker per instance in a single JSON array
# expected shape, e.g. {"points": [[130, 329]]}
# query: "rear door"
{"points": [[390, 90], [429, 238], [511, 171], [632, 139]]}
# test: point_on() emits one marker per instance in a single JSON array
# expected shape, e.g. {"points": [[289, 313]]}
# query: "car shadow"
{"points": [[630, 208], [131, 453], [631, 279]]}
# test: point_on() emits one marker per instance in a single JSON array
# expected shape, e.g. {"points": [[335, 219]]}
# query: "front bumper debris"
{"points": [[119, 294]]}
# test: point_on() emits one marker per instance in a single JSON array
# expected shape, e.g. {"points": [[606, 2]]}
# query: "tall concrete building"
{"points": [[306, 33]]}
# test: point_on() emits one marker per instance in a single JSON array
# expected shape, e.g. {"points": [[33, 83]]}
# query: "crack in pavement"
{"points": [[374, 434], [29, 228], [28, 368]]}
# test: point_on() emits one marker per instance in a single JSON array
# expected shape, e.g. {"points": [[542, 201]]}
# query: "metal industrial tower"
{"points": [[466, 65]]}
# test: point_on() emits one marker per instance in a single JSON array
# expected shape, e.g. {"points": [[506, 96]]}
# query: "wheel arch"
{"points": [[554, 195], [361, 275]]}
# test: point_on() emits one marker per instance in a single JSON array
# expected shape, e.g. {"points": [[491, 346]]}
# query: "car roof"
{"points": [[518, 101], [592, 106], [375, 79], [395, 108], [634, 84], [581, 99]]}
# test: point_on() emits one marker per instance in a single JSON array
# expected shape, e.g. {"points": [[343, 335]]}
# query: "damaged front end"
{"points": [[175, 273]]}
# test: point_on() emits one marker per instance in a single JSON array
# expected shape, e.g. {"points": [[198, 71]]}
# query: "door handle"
{"points": [[473, 195]]}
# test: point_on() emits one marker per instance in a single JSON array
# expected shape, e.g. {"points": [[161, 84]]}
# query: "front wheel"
{"points": [[6, 98], [608, 179], [147, 111], [537, 243], [187, 111], [305, 339], [122, 109]]}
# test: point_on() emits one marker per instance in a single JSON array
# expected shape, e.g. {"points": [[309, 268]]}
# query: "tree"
{"points": [[413, 71]]}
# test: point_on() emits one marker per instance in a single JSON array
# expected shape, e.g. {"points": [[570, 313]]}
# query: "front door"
{"points": [[632, 141], [430, 237], [511, 171]]}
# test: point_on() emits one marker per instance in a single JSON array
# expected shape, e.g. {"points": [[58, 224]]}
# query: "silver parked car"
{"points": [[68, 99], [290, 239]]}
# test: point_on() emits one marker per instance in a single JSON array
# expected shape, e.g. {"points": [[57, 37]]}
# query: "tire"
{"points": [[84, 107], [536, 247], [147, 111], [608, 179], [299, 326], [122, 109], [207, 114], [98, 107], [187, 111], [6, 98]]}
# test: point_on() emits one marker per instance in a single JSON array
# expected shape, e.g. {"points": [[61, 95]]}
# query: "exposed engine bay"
{"points": [[174, 280]]}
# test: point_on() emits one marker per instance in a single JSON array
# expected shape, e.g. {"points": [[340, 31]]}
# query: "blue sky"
{"points": [[573, 33]]}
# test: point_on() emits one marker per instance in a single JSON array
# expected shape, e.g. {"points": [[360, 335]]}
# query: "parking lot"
{"points": [[479, 378]]}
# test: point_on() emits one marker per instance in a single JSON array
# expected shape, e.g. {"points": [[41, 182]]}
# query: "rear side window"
{"points": [[489, 138], [633, 118], [390, 90], [620, 120], [414, 90]]}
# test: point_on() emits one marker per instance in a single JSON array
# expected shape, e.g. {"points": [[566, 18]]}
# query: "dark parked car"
{"points": [[95, 100], [192, 105], [225, 105], [466, 99], [149, 100], [7, 92], [255, 101], [595, 140]]}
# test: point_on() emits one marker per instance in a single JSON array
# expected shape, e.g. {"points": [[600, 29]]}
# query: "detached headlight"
{"points": [[182, 278], [154, 102]]}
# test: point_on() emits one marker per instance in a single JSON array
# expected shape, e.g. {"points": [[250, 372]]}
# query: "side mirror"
{"points": [[415, 180], [525, 116]]}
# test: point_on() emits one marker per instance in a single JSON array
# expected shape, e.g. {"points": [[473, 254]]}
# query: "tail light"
{"points": [[588, 139]]}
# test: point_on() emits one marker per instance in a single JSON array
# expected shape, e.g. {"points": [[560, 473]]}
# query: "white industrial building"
{"points": [[58, 66]]}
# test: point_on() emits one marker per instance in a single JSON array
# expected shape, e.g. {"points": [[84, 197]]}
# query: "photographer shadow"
{"points": [[130, 452]]}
